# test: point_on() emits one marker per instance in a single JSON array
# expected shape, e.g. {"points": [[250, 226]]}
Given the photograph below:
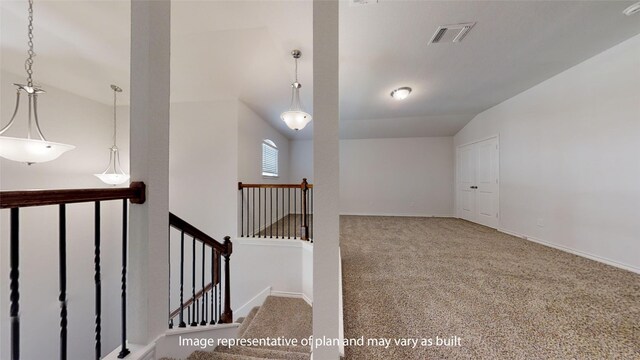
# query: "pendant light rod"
{"points": [[116, 89]]}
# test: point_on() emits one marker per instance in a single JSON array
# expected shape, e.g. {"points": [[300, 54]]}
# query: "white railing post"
{"points": [[326, 177], [149, 121]]}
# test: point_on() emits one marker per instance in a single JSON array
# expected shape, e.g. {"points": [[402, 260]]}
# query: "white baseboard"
{"points": [[398, 215], [257, 300], [292, 295], [573, 251]]}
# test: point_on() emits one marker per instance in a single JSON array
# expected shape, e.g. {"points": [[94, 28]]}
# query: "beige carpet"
{"points": [[504, 297], [288, 318]]}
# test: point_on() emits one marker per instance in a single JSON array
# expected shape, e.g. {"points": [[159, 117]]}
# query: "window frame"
{"points": [[272, 145]]}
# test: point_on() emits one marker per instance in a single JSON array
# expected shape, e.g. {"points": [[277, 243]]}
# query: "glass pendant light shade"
{"points": [[113, 174], [29, 150], [296, 118]]}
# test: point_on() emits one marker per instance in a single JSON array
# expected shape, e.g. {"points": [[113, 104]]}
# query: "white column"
{"points": [[326, 176], [148, 283]]}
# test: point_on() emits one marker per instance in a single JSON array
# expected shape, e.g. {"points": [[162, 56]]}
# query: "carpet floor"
{"points": [[501, 297]]}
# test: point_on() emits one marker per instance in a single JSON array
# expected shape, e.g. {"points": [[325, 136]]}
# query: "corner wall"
{"points": [[569, 169]]}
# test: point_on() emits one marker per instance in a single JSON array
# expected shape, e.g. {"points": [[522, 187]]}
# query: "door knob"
{"points": [[473, 187]]}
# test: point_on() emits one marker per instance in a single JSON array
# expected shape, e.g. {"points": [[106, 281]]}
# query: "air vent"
{"points": [[451, 33], [362, 2]]}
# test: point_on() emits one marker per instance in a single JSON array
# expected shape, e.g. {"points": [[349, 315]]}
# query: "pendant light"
{"points": [[295, 117], [113, 174], [28, 150]]}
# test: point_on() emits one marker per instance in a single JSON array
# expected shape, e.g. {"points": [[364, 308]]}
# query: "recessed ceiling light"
{"points": [[401, 93], [633, 9]]}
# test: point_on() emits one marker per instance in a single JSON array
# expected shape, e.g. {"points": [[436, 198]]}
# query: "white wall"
{"points": [[301, 160], [569, 157], [71, 119], [204, 166], [252, 130], [401, 177]]}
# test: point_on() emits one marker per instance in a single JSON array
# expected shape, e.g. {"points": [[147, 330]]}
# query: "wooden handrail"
{"points": [[25, 198], [191, 230], [189, 302]]}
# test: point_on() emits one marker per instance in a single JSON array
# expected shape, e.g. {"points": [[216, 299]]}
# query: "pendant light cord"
{"points": [[296, 69], [28, 64]]}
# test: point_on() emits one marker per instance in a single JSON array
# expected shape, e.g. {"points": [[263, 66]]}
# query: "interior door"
{"points": [[486, 187], [466, 181], [478, 191]]}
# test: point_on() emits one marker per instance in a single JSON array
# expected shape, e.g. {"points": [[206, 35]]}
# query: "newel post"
{"points": [[227, 315], [304, 229]]}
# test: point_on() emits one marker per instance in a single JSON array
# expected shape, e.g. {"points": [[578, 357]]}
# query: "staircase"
{"points": [[278, 317]]}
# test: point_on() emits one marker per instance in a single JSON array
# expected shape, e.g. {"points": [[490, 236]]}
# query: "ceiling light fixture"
{"points": [[295, 117], [401, 93], [116, 176], [28, 150], [633, 9]]}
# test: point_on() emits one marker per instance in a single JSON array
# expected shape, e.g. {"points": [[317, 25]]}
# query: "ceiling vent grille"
{"points": [[451, 33]]}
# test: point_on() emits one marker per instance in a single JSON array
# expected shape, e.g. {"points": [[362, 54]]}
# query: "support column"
{"points": [[326, 176], [149, 222]]}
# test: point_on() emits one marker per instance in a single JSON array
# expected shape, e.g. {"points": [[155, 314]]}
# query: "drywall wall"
{"points": [[203, 165], [569, 169], [71, 119], [301, 160], [402, 177], [252, 130]]}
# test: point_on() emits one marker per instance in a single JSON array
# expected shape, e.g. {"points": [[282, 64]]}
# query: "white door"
{"points": [[466, 182], [478, 182]]}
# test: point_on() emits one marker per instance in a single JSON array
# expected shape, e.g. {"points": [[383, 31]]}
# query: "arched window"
{"points": [[269, 158]]}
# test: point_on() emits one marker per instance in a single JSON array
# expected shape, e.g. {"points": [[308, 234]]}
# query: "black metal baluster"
{"points": [[216, 287], [311, 194], [259, 212], [98, 281], [14, 277], [247, 212], [213, 282], [194, 322], [203, 320], [182, 323], [204, 306], [270, 212], [62, 265], [277, 218], [124, 351], [220, 284], [265, 213], [295, 214], [253, 212], [241, 212], [289, 214]]}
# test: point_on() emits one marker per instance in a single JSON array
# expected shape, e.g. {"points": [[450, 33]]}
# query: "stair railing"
{"points": [[15, 201], [204, 306], [280, 211]]}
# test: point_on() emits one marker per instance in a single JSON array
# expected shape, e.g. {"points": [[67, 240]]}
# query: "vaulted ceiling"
{"points": [[225, 50]]}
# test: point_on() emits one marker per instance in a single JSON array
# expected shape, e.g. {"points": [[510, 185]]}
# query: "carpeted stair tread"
{"points": [[206, 355], [263, 353], [247, 321], [289, 318]]}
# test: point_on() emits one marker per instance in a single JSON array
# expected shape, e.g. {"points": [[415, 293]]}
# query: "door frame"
{"points": [[457, 184]]}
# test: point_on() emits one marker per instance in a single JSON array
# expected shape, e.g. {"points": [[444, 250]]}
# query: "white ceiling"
{"points": [[240, 50]]}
